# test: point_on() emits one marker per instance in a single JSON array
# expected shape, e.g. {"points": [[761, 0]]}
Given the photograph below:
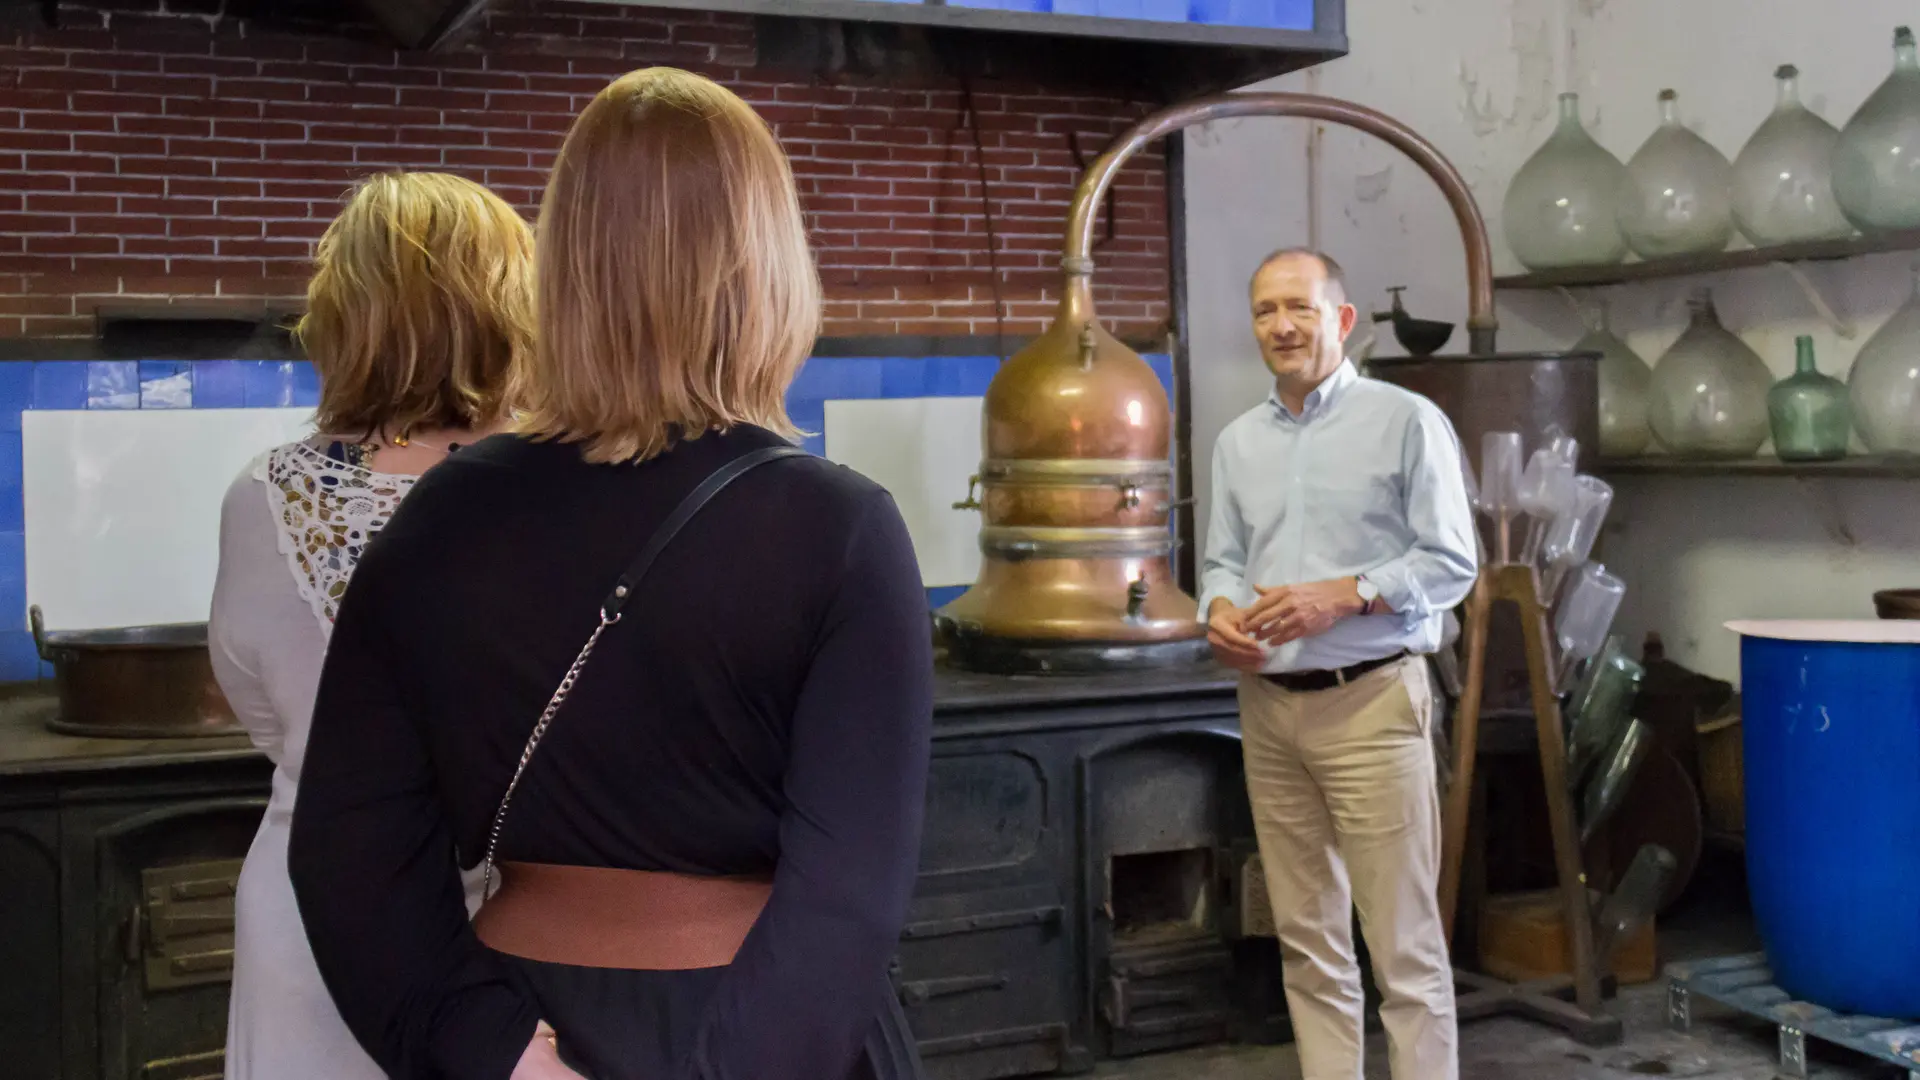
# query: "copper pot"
{"points": [[136, 682], [1897, 603], [1075, 488]]}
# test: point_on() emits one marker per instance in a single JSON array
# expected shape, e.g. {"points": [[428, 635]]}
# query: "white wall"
{"points": [[1479, 79]]}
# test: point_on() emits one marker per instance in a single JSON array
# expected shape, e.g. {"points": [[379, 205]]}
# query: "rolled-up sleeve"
{"points": [[373, 868], [805, 990], [1438, 568]]}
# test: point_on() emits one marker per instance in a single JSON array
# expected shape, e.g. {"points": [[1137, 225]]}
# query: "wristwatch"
{"points": [[1369, 593]]}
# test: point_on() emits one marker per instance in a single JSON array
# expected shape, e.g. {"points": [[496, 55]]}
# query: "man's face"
{"points": [[1300, 319]]}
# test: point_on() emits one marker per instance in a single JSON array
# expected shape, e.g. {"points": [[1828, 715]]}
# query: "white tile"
{"points": [[921, 450], [123, 507]]}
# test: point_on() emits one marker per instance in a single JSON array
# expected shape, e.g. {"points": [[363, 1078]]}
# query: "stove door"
{"points": [[167, 878]]}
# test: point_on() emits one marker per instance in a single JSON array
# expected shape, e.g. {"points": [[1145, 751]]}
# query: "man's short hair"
{"points": [[1335, 275]]}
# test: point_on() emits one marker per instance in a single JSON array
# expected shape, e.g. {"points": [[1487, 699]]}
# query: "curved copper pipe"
{"points": [[1078, 261]]}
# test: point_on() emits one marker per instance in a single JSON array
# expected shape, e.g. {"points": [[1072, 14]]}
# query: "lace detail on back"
{"points": [[326, 511]]}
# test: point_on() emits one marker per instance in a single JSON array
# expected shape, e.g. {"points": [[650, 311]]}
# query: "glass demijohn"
{"points": [[1559, 210], [1885, 383], [1708, 398], [1624, 378], [1678, 197], [1809, 412], [1876, 163], [1783, 178]]}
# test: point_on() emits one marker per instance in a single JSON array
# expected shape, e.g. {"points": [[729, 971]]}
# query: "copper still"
{"points": [[1076, 488]]}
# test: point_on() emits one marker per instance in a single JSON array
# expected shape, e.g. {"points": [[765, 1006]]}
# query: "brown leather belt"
{"points": [[637, 920], [1306, 682]]}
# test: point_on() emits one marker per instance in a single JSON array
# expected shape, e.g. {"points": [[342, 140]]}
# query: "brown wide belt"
{"points": [[637, 920], [1306, 682]]}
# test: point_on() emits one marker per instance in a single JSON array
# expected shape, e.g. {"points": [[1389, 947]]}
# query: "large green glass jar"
{"points": [[1808, 411]]}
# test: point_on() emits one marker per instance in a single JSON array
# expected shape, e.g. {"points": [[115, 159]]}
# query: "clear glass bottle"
{"points": [[1810, 417], [1624, 378], [1678, 196], [1884, 386], [1559, 210], [1708, 398], [1783, 177], [1876, 163]]}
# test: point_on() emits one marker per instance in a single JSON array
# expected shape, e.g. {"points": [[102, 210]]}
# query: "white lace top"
{"points": [[327, 511]]}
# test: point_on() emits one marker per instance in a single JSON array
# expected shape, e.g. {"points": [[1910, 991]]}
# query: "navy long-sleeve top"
{"points": [[764, 706]]}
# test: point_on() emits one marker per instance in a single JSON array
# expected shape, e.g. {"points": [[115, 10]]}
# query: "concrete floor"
{"points": [[1724, 1045]]}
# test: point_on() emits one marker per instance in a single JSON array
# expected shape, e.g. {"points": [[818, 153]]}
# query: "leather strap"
{"points": [[610, 610], [689, 506]]}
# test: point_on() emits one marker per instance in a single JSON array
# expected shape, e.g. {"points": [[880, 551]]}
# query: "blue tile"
{"points": [[59, 384], [1162, 366], [1076, 7], [166, 384], [1120, 9], [1164, 10], [903, 377], [269, 384], [19, 662], [306, 384], [1005, 5], [113, 384], [13, 568], [16, 392], [1292, 15], [13, 581], [12, 513], [219, 384], [1210, 11], [965, 376], [838, 378], [942, 595], [810, 416]]}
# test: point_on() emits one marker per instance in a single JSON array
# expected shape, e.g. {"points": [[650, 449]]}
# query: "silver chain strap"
{"points": [[533, 741]]}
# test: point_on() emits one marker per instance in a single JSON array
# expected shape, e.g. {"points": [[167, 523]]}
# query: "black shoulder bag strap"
{"points": [[610, 610]]}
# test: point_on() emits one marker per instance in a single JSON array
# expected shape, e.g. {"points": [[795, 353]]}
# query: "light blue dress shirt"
{"points": [[1364, 481]]}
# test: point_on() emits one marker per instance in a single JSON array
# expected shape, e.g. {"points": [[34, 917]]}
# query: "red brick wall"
{"points": [[151, 149]]}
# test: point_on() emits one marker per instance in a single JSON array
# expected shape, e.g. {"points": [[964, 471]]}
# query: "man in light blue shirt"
{"points": [[1340, 536]]}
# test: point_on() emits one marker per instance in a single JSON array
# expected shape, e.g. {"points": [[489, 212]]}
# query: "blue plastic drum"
{"points": [[1831, 715]]}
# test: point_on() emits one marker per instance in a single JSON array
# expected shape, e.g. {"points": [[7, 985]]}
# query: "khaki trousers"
{"points": [[1347, 810]]}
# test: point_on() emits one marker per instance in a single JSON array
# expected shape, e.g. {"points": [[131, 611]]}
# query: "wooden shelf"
{"points": [[1853, 468], [1690, 265]]}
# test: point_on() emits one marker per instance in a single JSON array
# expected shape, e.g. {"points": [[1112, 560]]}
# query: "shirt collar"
{"points": [[1323, 396]]}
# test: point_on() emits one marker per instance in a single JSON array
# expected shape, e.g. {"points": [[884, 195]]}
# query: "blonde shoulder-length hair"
{"points": [[420, 308], [676, 292]]}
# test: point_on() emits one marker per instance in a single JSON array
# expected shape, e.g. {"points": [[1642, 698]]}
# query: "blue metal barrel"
{"points": [[1831, 721]]}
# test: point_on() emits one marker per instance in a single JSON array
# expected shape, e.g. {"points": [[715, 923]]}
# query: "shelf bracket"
{"points": [[1844, 327], [1588, 314]]}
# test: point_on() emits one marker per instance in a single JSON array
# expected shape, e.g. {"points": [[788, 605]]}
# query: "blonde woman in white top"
{"points": [[418, 312]]}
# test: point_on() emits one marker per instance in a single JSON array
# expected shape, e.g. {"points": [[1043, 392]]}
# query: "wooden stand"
{"points": [[1484, 995]]}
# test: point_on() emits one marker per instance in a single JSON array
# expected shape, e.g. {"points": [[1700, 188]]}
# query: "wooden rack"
{"points": [[1582, 1018]]}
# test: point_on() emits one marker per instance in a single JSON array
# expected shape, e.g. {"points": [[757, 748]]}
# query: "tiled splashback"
{"points": [[230, 384], [1268, 14]]}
